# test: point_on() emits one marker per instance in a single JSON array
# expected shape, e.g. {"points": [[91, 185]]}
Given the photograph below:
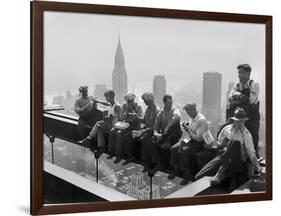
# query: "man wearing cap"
{"points": [[131, 113], [190, 153], [245, 94], [237, 152], [83, 107], [105, 125], [167, 131], [144, 134]]}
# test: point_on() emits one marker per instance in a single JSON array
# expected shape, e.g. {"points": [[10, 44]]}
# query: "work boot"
{"points": [[145, 169], [129, 160], [157, 167], [187, 178], [98, 152], [110, 155], [85, 142], [217, 179], [172, 175], [117, 160]]}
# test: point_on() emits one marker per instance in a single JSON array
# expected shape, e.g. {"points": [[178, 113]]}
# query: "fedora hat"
{"points": [[239, 115]]}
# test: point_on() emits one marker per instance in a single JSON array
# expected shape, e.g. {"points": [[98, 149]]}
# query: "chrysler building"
{"points": [[119, 75]]}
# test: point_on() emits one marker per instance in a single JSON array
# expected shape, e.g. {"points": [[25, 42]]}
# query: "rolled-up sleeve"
{"points": [[249, 145], [255, 92]]}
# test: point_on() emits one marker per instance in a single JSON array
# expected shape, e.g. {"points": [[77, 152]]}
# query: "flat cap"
{"points": [[83, 88], [247, 67], [148, 96], [129, 97]]}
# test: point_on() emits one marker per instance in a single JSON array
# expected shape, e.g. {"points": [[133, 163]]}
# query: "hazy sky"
{"points": [[79, 49]]}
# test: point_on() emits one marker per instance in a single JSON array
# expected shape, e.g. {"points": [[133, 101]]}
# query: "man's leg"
{"points": [[174, 159], [111, 143], [253, 126], [89, 139], [231, 163], [146, 141], [203, 157], [101, 142], [210, 169], [119, 148], [129, 147], [187, 158], [82, 128], [155, 157]]}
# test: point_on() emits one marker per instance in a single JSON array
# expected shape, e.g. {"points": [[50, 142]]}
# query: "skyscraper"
{"points": [[119, 75], [139, 190], [230, 86], [212, 96], [99, 91], [159, 89]]}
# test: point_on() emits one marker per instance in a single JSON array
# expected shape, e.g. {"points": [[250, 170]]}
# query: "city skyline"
{"points": [[199, 48]]}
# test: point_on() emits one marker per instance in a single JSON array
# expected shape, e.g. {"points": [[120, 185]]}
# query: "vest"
{"points": [[252, 110]]}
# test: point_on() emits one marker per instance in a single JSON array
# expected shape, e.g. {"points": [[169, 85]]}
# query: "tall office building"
{"points": [[99, 91], [139, 190], [230, 86], [119, 75], [212, 96], [159, 89]]}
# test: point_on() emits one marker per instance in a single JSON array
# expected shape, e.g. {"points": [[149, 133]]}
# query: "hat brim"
{"points": [[239, 119]]}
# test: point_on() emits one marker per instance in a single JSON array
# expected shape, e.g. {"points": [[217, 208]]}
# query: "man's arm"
{"points": [[156, 127], [255, 92], [153, 120], [202, 128], [176, 118], [79, 110], [123, 113], [223, 137], [118, 110], [249, 144], [139, 113]]}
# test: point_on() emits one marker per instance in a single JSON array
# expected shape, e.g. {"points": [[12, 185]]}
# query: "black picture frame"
{"points": [[37, 129]]}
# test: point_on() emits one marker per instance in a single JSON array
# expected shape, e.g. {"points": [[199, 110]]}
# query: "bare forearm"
{"points": [[173, 122]]}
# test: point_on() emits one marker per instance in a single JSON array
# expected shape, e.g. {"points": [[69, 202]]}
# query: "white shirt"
{"points": [[244, 137], [254, 90], [198, 126]]}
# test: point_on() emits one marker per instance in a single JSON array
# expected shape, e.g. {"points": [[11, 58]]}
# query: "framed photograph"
{"points": [[142, 107]]}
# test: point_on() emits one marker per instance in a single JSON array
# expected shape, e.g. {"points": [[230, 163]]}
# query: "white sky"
{"points": [[79, 49]]}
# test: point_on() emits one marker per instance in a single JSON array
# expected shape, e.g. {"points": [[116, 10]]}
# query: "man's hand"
{"points": [[157, 136], [165, 132]]}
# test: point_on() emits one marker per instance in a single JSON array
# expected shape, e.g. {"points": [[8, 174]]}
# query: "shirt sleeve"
{"points": [[153, 118], [123, 112], [254, 95], [157, 122], [202, 128], [222, 135], [77, 108], [176, 113], [139, 112], [176, 118], [249, 145], [118, 110]]}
